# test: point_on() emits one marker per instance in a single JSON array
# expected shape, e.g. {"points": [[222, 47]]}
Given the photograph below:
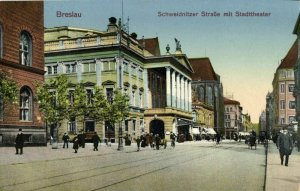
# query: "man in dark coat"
{"points": [[66, 140], [75, 144], [96, 140], [157, 141], [218, 137], [81, 139], [285, 145], [138, 143], [19, 142]]}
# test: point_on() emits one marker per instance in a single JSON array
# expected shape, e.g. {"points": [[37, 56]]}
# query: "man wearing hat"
{"points": [[66, 140], [285, 145], [19, 142]]}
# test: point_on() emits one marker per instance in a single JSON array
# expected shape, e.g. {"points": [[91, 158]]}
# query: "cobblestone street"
{"points": [[190, 166]]}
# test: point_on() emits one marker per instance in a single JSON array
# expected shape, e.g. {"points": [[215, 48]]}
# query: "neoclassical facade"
{"points": [[22, 59], [158, 85]]}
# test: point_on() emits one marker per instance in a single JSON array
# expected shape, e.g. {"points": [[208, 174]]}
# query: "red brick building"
{"points": [[22, 58]]}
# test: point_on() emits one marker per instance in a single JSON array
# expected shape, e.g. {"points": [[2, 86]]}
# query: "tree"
{"points": [[117, 111], [53, 102], [8, 88], [59, 100]]}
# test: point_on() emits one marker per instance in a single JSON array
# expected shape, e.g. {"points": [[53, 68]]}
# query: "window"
{"points": [[133, 125], [109, 65], [291, 87], [133, 70], [133, 98], [292, 105], [141, 100], [140, 74], [142, 125], [109, 130], [71, 97], [126, 125], [1, 108], [1, 41], [282, 87], [25, 104], [291, 119], [283, 74], [290, 74], [72, 125], [282, 104], [230, 109], [109, 94], [282, 120], [52, 69], [201, 93], [89, 67], [89, 94], [70, 68], [49, 70], [209, 96], [25, 49]]}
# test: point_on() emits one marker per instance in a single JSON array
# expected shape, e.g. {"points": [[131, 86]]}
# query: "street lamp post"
{"points": [[120, 142]]}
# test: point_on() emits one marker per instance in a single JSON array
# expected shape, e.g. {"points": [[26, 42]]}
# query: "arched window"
{"points": [[25, 104], [209, 95], [201, 94], [25, 51], [1, 41]]}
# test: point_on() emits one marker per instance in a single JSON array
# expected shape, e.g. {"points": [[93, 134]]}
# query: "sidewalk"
{"points": [[282, 178]]}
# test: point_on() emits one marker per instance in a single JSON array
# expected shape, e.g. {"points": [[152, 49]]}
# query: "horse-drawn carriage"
{"points": [[252, 142]]}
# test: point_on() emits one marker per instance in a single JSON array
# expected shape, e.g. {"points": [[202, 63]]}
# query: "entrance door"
{"points": [[157, 127]]}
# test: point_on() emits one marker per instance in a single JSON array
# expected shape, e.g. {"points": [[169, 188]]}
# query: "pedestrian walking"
{"points": [[81, 139], [66, 140], [19, 142], [285, 145], [76, 144], [96, 140], [218, 137], [173, 137], [151, 140], [157, 141], [138, 143]]}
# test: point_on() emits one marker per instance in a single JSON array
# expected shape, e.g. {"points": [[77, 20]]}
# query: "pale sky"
{"points": [[244, 51]]}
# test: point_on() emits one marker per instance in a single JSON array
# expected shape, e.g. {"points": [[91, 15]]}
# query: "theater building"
{"points": [[113, 59]]}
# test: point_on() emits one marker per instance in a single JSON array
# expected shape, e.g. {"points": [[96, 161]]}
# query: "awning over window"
{"points": [[211, 131], [196, 131]]}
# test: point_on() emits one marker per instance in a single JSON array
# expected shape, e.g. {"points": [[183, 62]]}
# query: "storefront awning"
{"points": [[196, 131], [211, 131], [183, 122]]}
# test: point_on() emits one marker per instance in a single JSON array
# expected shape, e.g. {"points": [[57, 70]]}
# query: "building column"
{"points": [[190, 96], [138, 86], [186, 95], [79, 71], [173, 89], [168, 86], [182, 93], [145, 80], [98, 72], [130, 84], [178, 91]]}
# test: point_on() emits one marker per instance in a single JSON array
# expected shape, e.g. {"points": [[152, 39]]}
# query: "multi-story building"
{"points": [[208, 94], [262, 121], [158, 85], [233, 117], [283, 88], [297, 71], [269, 113], [22, 58], [246, 122]]}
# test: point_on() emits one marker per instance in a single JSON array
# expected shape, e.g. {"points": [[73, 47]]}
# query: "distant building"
{"points": [[269, 113], [262, 121], [208, 94], [22, 58], [283, 88], [233, 117]]}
